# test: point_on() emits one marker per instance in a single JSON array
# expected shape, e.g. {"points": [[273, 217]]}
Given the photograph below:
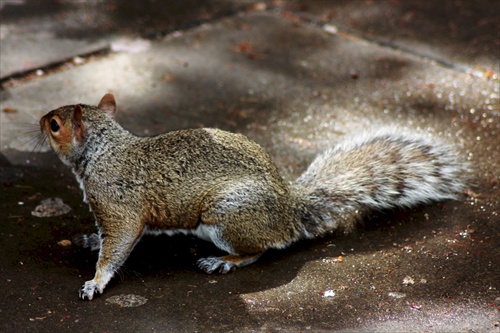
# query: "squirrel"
{"points": [[222, 187]]}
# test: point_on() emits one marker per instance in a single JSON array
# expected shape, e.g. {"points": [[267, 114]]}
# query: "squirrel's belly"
{"points": [[210, 233]]}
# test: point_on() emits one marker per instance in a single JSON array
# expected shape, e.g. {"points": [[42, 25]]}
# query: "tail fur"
{"points": [[377, 171]]}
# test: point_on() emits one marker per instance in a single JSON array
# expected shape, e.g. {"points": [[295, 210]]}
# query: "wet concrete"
{"points": [[295, 77]]}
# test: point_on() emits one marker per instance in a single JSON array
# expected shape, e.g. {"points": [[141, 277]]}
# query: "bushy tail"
{"points": [[375, 172]]}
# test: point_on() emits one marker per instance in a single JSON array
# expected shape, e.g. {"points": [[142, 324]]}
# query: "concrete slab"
{"points": [[296, 88], [459, 34], [36, 34]]}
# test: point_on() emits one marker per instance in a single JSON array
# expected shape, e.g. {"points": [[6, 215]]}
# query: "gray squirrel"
{"points": [[224, 188]]}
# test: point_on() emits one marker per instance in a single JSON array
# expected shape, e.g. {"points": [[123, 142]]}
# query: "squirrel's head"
{"points": [[65, 128]]}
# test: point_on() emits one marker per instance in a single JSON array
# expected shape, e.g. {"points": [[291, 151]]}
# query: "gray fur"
{"points": [[224, 188], [376, 171]]}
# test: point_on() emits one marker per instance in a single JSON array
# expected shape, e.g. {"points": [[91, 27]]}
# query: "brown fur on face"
{"points": [[58, 132]]}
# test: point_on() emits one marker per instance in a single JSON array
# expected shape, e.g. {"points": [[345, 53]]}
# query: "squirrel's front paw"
{"points": [[88, 290], [92, 241], [212, 264]]}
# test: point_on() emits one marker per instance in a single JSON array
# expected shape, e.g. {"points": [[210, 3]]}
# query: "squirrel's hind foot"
{"points": [[212, 264], [225, 264]]}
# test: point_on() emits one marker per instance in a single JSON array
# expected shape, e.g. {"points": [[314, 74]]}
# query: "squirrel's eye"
{"points": [[54, 126]]}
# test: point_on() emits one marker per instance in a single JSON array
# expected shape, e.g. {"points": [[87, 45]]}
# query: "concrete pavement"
{"points": [[297, 77]]}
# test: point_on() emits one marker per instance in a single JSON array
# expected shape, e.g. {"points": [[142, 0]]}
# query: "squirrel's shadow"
{"points": [[163, 269], [163, 257]]}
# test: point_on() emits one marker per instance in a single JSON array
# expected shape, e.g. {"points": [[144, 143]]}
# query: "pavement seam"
{"points": [[57, 66], [20, 77], [262, 6], [353, 34]]}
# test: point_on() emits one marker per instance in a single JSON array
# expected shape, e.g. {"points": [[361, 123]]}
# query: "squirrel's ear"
{"points": [[78, 127], [108, 104]]}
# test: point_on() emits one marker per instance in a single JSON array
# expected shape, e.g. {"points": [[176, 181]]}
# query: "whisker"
{"points": [[36, 142], [41, 144], [21, 131], [121, 272], [23, 117]]}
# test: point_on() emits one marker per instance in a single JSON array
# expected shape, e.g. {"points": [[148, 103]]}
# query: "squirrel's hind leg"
{"points": [[227, 263]]}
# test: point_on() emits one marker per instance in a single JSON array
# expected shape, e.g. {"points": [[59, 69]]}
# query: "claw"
{"points": [[88, 290], [212, 264]]}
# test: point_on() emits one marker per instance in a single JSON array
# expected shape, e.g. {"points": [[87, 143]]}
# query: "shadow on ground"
{"points": [[275, 73]]}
